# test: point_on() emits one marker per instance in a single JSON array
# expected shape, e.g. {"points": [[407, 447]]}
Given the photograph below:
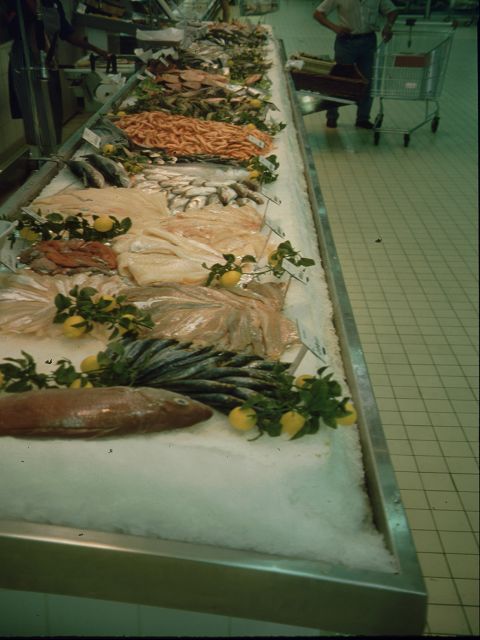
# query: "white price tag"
{"points": [[234, 88], [92, 138], [267, 164], [272, 198], [256, 141], [149, 74], [35, 216], [274, 226], [310, 341], [299, 273], [81, 8]]}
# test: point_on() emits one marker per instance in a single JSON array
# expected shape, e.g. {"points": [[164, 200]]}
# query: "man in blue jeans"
{"points": [[356, 42]]}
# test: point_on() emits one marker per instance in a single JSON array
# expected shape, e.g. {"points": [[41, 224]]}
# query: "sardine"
{"points": [[255, 197], [192, 192], [240, 189], [113, 171], [213, 199], [88, 174], [178, 203], [226, 195], [196, 203], [96, 412]]}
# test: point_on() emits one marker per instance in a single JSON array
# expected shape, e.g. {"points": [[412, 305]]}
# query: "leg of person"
{"points": [[344, 54], [365, 62]]}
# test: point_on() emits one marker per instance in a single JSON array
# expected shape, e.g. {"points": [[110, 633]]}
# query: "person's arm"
{"points": [[83, 43], [390, 12], [321, 17]]}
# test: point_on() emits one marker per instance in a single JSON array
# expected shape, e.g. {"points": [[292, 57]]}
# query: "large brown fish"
{"points": [[96, 412]]}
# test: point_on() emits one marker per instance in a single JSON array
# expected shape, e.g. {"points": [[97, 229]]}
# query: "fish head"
{"points": [[182, 410]]}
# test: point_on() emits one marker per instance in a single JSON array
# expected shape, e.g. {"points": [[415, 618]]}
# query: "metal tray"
{"points": [[134, 569]]}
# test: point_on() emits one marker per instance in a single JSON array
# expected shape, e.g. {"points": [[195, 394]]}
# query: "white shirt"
{"points": [[361, 16]]}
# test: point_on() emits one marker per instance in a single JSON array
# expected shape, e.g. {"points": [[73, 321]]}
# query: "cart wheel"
{"points": [[406, 140], [435, 123], [378, 121], [376, 137]]}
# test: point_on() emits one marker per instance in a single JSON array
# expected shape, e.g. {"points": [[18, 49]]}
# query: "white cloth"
{"points": [[360, 16]]}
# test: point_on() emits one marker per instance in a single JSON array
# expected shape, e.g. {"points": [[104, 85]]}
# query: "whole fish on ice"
{"points": [[96, 412]]}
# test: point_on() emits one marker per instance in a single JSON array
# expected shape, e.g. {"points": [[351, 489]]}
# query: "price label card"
{"points": [[272, 198], [92, 137], [299, 273], [254, 140], [141, 76], [149, 74], [312, 343], [32, 214], [267, 164], [81, 8], [274, 226]]}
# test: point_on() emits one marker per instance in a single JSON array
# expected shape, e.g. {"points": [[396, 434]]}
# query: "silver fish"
{"points": [[200, 191], [178, 203], [90, 176], [226, 195], [112, 171], [196, 203]]}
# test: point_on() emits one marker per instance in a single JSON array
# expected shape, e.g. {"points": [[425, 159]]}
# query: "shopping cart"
{"points": [[412, 66]]}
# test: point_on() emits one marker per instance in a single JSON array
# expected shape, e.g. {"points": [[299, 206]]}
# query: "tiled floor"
{"points": [[414, 295], [405, 227]]}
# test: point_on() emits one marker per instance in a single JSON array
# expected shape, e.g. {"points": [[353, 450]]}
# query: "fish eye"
{"points": [[181, 401]]}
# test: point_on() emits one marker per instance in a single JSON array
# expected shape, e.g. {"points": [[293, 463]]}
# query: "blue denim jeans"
{"points": [[359, 50]]}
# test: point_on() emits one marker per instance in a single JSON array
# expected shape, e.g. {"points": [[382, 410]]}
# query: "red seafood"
{"points": [[96, 412], [61, 256]]}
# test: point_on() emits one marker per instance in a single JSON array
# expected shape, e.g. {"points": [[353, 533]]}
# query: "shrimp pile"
{"points": [[183, 136]]}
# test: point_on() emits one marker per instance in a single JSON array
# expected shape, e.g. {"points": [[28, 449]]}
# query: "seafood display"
{"points": [[109, 201], [101, 412], [184, 192], [246, 320], [67, 256], [111, 170], [199, 234], [27, 298], [180, 135], [90, 176]]}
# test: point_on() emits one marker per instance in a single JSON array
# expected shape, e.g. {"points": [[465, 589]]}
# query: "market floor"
{"points": [[405, 227], [404, 222]]}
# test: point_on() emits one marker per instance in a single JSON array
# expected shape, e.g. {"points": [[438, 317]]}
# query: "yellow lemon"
{"points": [[90, 363], [302, 381], [131, 318], [121, 113], [274, 260], [292, 422], [230, 278], [71, 328], [255, 103], [81, 383], [242, 419], [103, 224], [351, 418], [29, 234], [254, 174], [107, 149], [250, 126], [113, 304]]}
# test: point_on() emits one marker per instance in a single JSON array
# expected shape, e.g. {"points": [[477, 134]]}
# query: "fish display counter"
{"points": [[257, 478]]}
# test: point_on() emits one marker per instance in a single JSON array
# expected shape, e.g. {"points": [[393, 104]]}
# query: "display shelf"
{"points": [[212, 579]]}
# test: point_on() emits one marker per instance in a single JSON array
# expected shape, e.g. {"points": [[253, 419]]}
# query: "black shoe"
{"points": [[364, 124], [332, 123]]}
